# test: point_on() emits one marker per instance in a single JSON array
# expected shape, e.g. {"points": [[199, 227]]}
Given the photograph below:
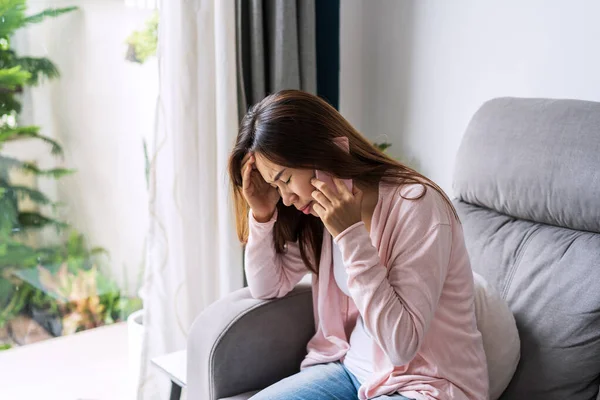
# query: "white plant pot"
{"points": [[135, 337]]}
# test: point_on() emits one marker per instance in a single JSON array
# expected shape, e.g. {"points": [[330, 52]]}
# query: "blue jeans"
{"points": [[320, 382]]}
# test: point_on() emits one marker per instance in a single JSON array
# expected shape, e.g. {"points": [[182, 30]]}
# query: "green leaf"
{"points": [[8, 103], [382, 146], [38, 67], [50, 12], [6, 292], [37, 220], [8, 214], [34, 195], [50, 255], [14, 77], [98, 250], [7, 163], [55, 173], [76, 244], [18, 255], [7, 133], [146, 164], [128, 305], [7, 57], [28, 132], [143, 44], [108, 288], [12, 13]]}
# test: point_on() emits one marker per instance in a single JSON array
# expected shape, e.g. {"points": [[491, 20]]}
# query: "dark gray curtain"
{"points": [[276, 48], [328, 50]]}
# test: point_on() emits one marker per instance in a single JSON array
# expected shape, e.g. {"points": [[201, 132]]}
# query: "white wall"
{"points": [[99, 110], [417, 70]]}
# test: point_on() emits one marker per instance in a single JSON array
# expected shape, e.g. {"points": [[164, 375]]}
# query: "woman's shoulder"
{"points": [[414, 203]]}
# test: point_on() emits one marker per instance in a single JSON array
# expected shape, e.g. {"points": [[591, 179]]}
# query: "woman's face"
{"points": [[292, 184]]}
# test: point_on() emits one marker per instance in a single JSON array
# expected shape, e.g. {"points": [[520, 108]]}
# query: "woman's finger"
{"points": [[246, 158], [323, 188], [246, 176], [258, 180], [319, 210], [321, 199]]}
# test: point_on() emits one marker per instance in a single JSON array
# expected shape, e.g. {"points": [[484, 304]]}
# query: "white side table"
{"points": [[175, 366]]}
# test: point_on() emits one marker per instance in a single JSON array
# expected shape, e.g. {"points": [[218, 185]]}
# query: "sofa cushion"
{"points": [[533, 159], [500, 335], [550, 278], [243, 396]]}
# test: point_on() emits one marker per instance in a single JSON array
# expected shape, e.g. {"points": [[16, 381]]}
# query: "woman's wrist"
{"points": [[263, 218]]}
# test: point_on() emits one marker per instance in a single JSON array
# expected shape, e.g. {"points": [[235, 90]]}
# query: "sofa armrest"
{"points": [[240, 344]]}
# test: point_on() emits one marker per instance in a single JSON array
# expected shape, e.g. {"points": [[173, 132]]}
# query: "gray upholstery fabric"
{"points": [[529, 169], [240, 344], [276, 43], [550, 278], [535, 159], [243, 396]]}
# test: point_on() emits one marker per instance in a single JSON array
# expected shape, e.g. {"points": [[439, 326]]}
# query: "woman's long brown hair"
{"points": [[296, 129]]}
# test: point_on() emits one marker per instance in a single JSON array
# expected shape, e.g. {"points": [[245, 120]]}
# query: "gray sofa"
{"points": [[527, 186]]}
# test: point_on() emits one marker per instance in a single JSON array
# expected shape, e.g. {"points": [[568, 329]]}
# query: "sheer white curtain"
{"points": [[193, 253]]}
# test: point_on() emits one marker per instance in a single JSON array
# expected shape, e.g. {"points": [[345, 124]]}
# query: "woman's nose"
{"points": [[288, 198]]}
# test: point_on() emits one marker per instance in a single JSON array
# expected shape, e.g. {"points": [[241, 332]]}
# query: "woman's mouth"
{"points": [[306, 209]]}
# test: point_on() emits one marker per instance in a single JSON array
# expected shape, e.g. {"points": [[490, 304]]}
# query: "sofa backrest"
{"points": [[527, 187]]}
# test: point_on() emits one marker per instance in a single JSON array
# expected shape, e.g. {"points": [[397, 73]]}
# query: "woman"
{"points": [[393, 289]]}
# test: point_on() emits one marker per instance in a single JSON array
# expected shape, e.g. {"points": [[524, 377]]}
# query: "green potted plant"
{"points": [[142, 44], [41, 298], [16, 73], [66, 300]]}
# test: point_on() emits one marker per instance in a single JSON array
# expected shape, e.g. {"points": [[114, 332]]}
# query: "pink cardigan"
{"points": [[411, 281]]}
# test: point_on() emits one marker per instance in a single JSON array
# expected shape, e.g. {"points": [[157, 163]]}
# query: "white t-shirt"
{"points": [[359, 359]]}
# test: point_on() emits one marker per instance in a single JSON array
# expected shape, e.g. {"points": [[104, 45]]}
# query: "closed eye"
{"points": [[286, 182]]}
